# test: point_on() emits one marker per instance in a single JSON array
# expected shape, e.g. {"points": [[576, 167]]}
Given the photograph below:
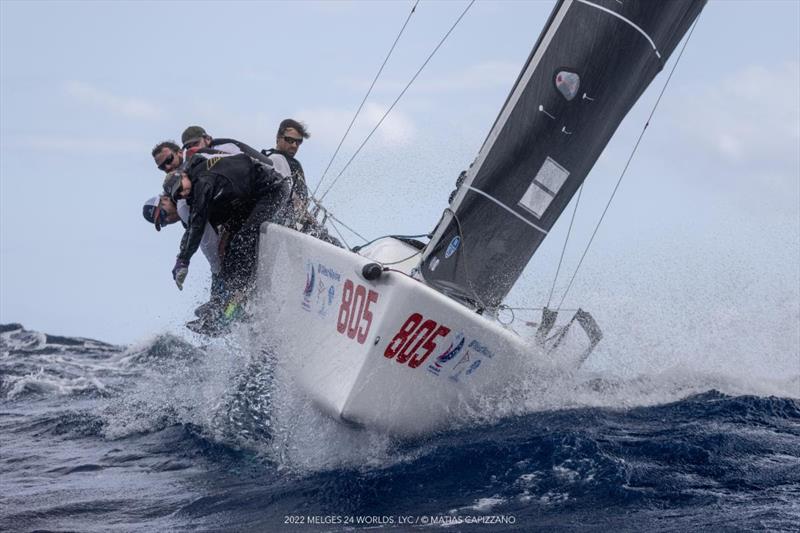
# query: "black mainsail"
{"points": [[589, 66]]}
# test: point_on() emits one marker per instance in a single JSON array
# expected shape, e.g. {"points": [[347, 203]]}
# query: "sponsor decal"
{"points": [[320, 289], [568, 84], [325, 295], [448, 355], [308, 291], [452, 247], [473, 367], [476, 346], [467, 365], [469, 370], [328, 272], [464, 359], [434, 263]]}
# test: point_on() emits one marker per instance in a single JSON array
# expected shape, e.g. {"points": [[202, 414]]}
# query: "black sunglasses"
{"points": [[168, 161], [161, 216], [292, 140]]}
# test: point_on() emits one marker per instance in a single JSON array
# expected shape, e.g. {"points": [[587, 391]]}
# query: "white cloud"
{"points": [[121, 105], [739, 136], [397, 128], [327, 125], [753, 115]]}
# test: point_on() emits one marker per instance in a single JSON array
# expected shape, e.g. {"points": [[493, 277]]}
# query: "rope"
{"points": [[510, 310], [339, 233], [564, 249], [428, 235], [630, 158], [361, 105], [404, 259], [397, 99]]}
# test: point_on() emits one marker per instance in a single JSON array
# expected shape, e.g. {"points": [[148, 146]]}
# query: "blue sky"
{"points": [[705, 228]]}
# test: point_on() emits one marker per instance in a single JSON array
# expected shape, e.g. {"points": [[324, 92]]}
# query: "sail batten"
{"points": [[501, 204], [615, 14], [589, 66]]}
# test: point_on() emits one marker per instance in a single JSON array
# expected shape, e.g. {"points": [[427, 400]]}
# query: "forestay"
{"points": [[589, 66]]}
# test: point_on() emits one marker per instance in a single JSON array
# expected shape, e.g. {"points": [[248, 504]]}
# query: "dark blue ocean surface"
{"points": [[167, 436]]}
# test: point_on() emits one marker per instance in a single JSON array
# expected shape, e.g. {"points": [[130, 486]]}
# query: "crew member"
{"points": [[167, 156], [290, 136], [162, 211], [233, 191]]}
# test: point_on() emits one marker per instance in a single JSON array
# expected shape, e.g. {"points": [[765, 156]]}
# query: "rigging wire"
{"points": [[446, 35], [369, 91], [515, 308], [627, 164], [339, 233], [564, 249], [354, 232]]}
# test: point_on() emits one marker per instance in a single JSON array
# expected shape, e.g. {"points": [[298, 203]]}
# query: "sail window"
{"points": [[544, 187], [568, 84]]}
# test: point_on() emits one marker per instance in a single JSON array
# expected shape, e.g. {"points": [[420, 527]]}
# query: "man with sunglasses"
{"points": [[167, 156], [291, 134], [162, 211]]}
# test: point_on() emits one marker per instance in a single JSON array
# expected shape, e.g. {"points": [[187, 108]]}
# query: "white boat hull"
{"points": [[391, 354]]}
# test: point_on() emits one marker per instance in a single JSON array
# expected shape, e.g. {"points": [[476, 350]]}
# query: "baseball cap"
{"points": [[152, 211], [172, 185], [191, 134]]}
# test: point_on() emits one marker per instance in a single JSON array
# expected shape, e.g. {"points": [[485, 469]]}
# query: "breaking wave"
{"points": [[215, 435]]}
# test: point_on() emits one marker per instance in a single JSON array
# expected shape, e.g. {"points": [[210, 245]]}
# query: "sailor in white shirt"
{"points": [[161, 211]]}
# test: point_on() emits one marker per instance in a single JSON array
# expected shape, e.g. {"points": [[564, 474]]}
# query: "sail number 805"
{"points": [[415, 341], [355, 318]]}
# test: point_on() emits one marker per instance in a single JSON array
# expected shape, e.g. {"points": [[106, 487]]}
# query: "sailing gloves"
{"points": [[180, 271]]}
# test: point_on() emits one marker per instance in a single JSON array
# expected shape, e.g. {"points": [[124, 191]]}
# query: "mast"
{"points": [[590, 65]]}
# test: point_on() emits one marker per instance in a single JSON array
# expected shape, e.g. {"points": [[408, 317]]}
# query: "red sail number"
{"points": [[415, 334], [355, 318]]}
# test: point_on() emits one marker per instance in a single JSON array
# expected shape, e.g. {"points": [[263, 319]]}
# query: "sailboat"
{"points": [[402, 337]]}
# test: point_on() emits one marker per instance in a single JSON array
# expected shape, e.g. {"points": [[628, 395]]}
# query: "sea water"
{"points": [[175, 434]]}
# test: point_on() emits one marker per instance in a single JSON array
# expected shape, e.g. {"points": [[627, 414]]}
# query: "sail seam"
{"points": [[627, 21], [504, 206]]}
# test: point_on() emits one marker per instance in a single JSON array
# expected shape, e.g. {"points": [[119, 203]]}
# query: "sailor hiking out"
{"points": [[233, 197], [162, 210], [233, 192]]}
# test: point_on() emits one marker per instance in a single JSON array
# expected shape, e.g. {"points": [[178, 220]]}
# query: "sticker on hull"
{"points": [[449, 354]]}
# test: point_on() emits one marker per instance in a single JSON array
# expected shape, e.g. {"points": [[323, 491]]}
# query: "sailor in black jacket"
{"points": [[232, 191]]}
